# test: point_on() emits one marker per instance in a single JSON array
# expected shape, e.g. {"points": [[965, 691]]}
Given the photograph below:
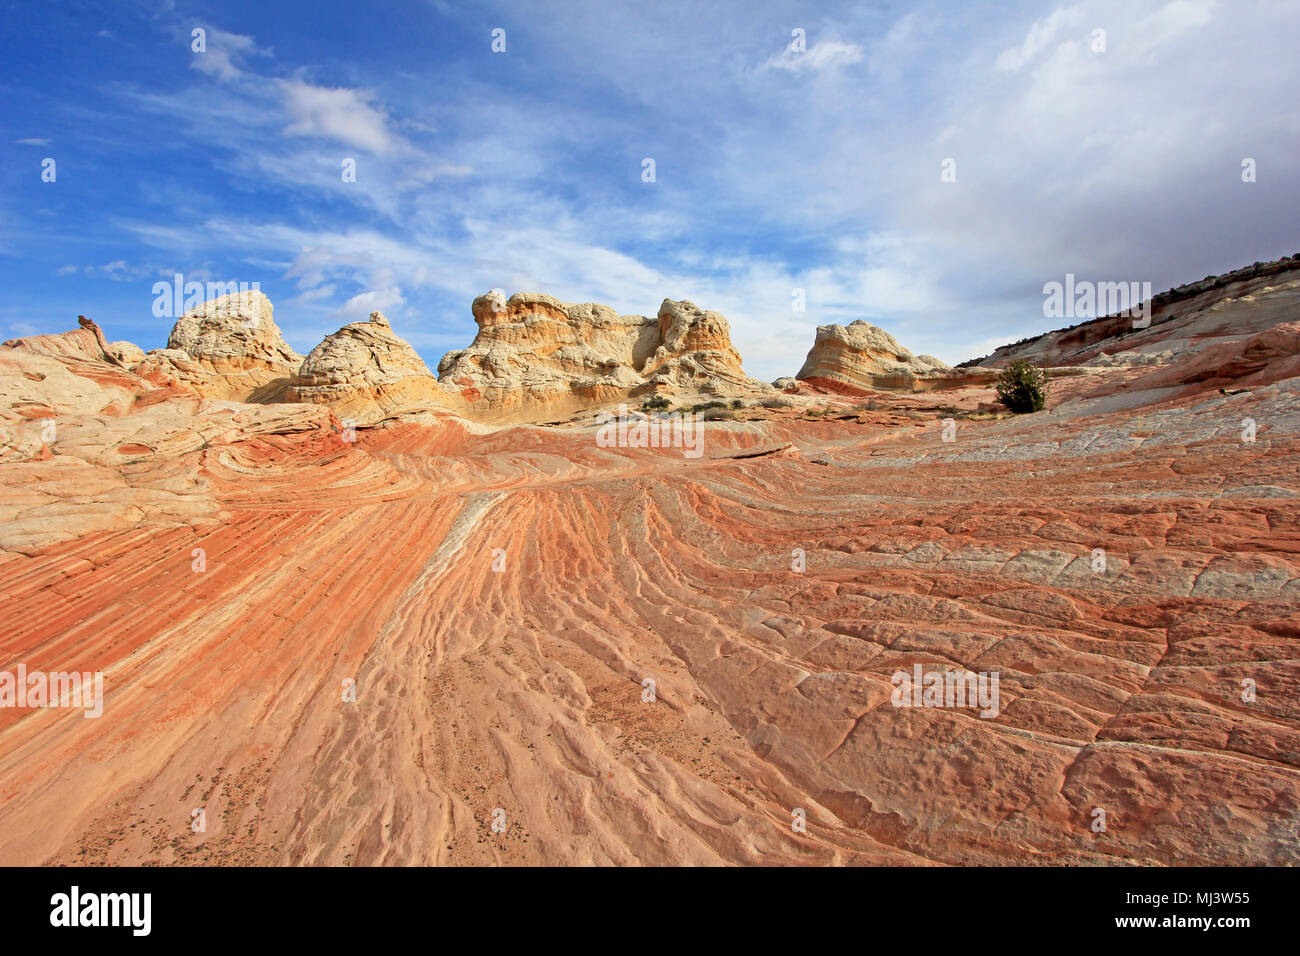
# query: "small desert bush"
{"points": [[777, 401], [1022, 387], [657, 403]]}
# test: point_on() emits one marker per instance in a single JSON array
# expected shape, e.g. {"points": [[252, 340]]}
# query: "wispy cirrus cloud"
{"points": [[118, 270]]}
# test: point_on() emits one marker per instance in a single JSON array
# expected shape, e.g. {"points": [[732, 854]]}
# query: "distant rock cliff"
{"points": [[1233, 306]]}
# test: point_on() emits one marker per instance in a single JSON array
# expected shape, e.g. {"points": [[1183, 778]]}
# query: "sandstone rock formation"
{"points": [[87, 445], [85, 343], [694, 352], [1260, 359], [860, 357], [127, 353], [235, 344], [535, 354], [1125, 564], [175, 368], [365, 373]]}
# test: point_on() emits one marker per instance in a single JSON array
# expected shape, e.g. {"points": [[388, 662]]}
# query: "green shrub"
{"points": [[1022, 387], [656, 403]]}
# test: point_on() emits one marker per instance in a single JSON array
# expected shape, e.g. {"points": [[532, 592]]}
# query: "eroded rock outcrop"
{"points": [[89, 446], [236, 346], [128, 353], [366, 373], [695, 351], [86, 342], [1265, 357], [535, 353], [861, 356]]}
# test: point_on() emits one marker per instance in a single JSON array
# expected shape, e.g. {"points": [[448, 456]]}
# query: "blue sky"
{"points": [[775, 170]]}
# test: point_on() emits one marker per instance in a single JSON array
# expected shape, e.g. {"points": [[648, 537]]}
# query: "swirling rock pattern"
{"points": [[445, 643], [1218, 310]]}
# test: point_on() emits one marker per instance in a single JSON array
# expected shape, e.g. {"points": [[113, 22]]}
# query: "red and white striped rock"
{"points": [[497, 600]]}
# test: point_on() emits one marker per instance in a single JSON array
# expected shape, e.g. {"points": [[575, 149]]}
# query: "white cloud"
{"points": [[360, 306], [1175, 21], [33, 141], [222, 53], [1068, 160], [315, 295], [22, 330], [120, 270], [819, 57], [1042, 34], [343, 115]]}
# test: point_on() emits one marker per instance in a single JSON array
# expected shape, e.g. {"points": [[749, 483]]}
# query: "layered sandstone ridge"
{"points": [[84, 343], [1222, 309], [229, 348], [366, 373], [536, 353]]}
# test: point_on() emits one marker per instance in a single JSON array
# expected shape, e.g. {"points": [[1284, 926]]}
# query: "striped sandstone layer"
{"points": [[359, 652], [522, 688]]}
